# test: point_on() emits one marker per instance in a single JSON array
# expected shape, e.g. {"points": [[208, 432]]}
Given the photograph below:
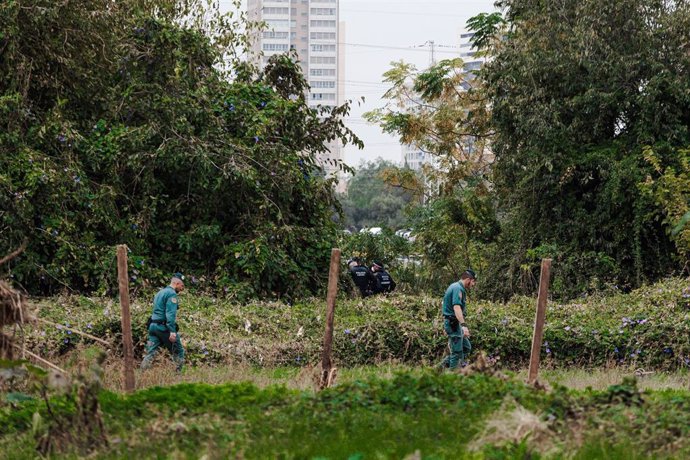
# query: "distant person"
{"points": [[454, 313], [383, 281], [361, 276], [162, 326]]}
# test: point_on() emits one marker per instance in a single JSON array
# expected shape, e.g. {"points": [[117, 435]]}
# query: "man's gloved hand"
{"points": [[173, 337]]}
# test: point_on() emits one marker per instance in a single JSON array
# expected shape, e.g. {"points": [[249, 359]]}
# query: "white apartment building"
{"points": [[313, 29], [471, 61], [412, 157]]}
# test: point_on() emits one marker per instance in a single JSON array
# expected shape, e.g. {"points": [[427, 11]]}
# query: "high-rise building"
{"points": [[311, 28], [472, 61]]}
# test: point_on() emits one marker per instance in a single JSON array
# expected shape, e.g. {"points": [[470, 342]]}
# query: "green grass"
{"points": [[304, 378], [438, 415], [248, 389]]}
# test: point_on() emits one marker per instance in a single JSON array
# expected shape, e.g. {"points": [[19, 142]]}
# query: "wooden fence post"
{"points": [[127, 344], [326, 363], [539, 320]]}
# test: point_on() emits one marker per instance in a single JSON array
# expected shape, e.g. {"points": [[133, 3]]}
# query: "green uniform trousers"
{"points": [[160, 336], [460, 346]]}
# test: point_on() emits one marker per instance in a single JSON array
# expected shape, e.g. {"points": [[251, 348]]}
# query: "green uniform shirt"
{"points": [[455, 295], [165, 307]]}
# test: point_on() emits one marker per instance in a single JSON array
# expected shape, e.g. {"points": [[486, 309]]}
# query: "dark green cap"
{"points": [[471, 273]]}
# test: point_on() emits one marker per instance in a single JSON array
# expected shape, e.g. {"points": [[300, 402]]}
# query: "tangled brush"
{"points": [[13, 309]]}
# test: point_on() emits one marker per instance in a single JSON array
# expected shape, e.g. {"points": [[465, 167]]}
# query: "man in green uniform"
{"points": [[454, 312], [163, 324]]}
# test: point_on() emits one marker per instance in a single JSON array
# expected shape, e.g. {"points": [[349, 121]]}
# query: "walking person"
{"points": [[162, 326], [454, 313]]}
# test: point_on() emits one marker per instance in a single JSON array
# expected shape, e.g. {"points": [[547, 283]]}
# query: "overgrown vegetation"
{"points": [[137, 123], [371, 201], [575, 105], [647, 329], [570, 143]]}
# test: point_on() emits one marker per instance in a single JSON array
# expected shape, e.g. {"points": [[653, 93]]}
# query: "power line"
{"points": [[405, 13], [364, 83], [418, 48]]}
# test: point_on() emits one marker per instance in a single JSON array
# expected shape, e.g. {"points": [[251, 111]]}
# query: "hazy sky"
{"points": [[378, 32], [391, 25]]}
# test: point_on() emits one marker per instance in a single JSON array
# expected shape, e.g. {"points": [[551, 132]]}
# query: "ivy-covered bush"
{"points": [[647, 328]]}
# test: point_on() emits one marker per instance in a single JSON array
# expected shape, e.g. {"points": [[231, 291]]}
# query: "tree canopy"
{"points": [[136, 122], [570, 143], [579, 91], [374, 201]]}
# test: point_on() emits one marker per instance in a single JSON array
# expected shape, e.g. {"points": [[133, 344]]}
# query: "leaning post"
{"points": [[127, 344], [326, 363], [539, 320]]}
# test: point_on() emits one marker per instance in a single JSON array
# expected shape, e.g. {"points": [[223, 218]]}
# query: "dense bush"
{"points": [[146, 139], [575, 107], [571, 143]]}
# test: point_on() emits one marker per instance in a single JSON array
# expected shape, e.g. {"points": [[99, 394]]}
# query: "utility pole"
{"points": [[432, 44]]}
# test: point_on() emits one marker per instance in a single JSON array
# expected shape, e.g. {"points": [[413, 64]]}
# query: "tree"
{"points": [[669, 187], [374, 201], [120, 125], [443, 111], [579, 90]]}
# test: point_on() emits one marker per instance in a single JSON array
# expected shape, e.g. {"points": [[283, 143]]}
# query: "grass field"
{"points": [[387, 411], [303, 378], [615, 375]]}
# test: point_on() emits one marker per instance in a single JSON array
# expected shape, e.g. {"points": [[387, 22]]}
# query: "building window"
{"points": [[323, 96], [275, 10], [322, 72], [323, 60], [323, 11], [322, 84], [322, 23], [275, 47], [274, 34], [322, 35], [272, 23], [322, 48]]}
